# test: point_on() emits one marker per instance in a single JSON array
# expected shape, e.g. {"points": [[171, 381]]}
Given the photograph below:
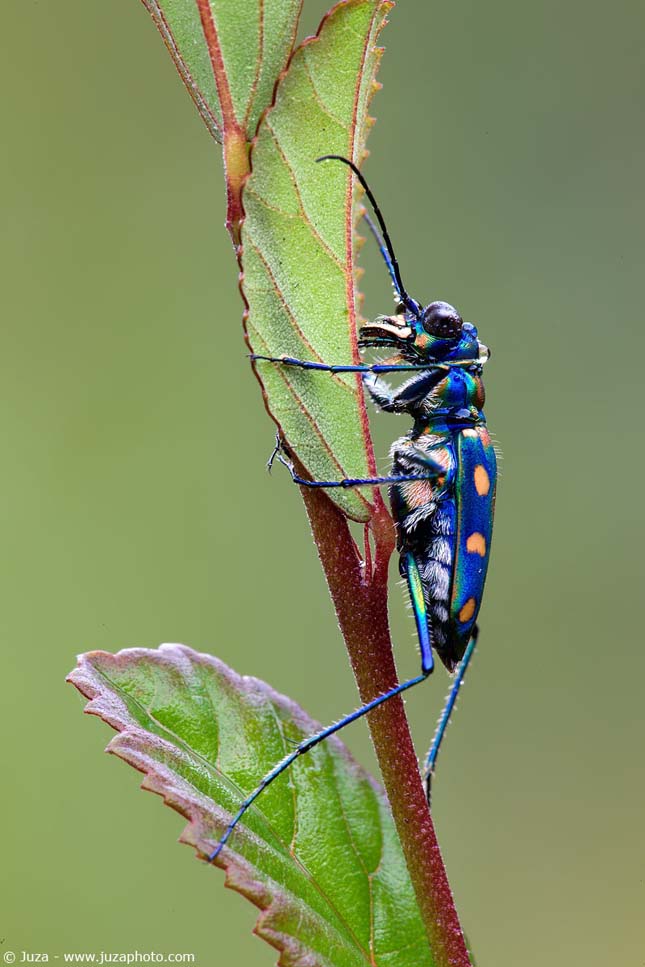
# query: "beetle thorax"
{"points": [[461, 389]]}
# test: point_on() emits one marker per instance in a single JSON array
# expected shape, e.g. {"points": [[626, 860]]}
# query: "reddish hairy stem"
{"points": [[360, 600], [236, 169]]}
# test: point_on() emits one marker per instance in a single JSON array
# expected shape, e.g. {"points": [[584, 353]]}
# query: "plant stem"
{"points": [[237, 168], [360, 600]]}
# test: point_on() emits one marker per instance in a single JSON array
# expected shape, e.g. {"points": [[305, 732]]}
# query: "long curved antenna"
{"points": [[405, 298]]}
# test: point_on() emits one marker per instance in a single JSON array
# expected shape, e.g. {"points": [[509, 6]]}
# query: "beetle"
{"points": [[442, 484]]}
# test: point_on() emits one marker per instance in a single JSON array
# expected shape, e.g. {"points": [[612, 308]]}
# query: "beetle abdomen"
{"points": [[475, 494]]}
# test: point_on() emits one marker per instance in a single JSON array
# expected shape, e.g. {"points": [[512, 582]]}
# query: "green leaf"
{"points": [[298, 247], [229, 54], [319, 854]]}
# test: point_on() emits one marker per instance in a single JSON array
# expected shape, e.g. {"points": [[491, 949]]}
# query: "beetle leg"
{"points": [[444, 718]]}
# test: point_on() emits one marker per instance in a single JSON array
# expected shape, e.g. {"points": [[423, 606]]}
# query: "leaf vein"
{"points": [[295, 325], [318, 97], [314, 231]]}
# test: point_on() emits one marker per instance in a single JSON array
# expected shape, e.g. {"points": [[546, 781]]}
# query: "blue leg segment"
{"points": [[444, 718], [305, 747], [349, 481], [355, 481], [432, 470], [427, 665], [361, 368], [415, 587]]}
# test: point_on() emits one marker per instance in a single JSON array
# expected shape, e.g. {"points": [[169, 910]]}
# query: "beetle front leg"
{"points": [[398, 366], [405, 398]]}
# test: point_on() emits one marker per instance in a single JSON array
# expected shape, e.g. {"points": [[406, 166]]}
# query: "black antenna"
{"points": [[410, 304]]}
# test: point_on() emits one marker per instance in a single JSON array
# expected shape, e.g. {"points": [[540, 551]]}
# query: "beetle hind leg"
{"points": [[448, 709]]}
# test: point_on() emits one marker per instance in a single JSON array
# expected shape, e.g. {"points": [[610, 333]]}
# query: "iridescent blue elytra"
{"points": [[442, 484]]}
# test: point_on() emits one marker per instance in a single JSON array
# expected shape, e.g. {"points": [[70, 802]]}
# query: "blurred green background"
{"points": [[508, 156]]}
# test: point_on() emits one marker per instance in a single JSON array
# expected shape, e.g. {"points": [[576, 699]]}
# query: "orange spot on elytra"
{"points": [[482, 480], [468, 610], [476, 544]]}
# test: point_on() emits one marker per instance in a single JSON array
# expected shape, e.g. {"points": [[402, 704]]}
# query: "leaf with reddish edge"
{"points": [[318, 854], [298, 248], [229, 54]]}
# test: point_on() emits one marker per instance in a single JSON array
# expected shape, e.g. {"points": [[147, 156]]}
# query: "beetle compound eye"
{"points": [[442, 320]]}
